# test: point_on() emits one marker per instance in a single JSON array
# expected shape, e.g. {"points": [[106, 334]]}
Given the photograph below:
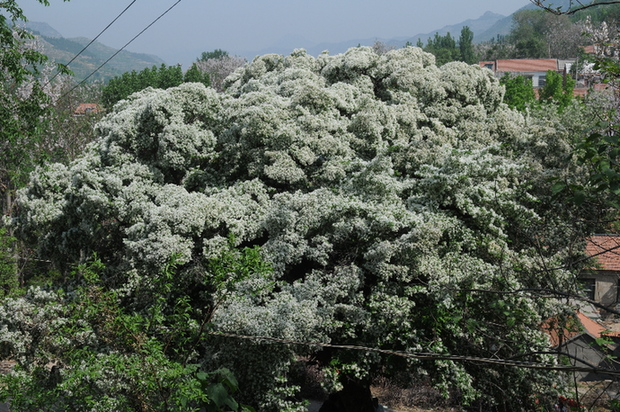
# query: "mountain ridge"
{"points": [[483, 24], [61, 50]]}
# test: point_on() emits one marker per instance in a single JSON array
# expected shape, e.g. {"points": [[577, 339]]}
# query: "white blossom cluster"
{"points": [[380, 188]]}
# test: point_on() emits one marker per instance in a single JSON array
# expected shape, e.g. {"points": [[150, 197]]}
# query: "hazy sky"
{"points": [[245, 27]]}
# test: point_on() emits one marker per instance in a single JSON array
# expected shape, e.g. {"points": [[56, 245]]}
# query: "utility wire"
{"points": [[120, 50], [93, 40], [588, 367]]}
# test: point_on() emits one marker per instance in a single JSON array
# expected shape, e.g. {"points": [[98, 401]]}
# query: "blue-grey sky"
{"points": [[245, 27]]}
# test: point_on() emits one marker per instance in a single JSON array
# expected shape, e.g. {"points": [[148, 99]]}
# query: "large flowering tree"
{"points": [[400, 205]]}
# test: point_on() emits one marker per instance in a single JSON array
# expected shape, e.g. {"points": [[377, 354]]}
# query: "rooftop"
{"points": [[605, 251], [585, 325], [87, 108], [522, 65]]}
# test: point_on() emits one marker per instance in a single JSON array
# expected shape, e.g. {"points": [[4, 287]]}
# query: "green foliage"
{"points": [[195, 75], [215, 54], [8, 263], [528, 33], [519, 92], [557, 89], [447, 49], [537, 34], [466, 46], [520, 95], [609, 13], [120, 87], [24, 105], [443, 48], [600, 150], [102, 351]]}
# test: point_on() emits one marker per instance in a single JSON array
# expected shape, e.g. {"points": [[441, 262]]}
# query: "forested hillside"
{"points": [[62, 50]]}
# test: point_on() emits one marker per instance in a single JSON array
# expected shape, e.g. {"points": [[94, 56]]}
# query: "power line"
{"points": [[440, 356], [93, 40], [121, 49]]}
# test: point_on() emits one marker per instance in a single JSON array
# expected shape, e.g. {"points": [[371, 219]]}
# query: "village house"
{"points": [[536, 71], [600, 280], [590, 341], [586, 348], [533, 69], [86, 109]]}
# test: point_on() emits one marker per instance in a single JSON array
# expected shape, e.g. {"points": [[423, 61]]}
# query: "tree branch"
{"points": [[571, 10]]}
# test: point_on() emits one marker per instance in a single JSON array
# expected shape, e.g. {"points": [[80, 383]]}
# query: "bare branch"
{"points": [[573, 8]]}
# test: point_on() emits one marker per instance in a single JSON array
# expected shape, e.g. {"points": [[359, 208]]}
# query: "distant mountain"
{"points": [[42, 29], [480, 25], [62, 50], [501, 27], [485, 27]]}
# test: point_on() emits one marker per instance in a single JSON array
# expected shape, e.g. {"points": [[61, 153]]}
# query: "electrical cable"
{"points": [[120, 50], [92, 41], [588, 367]]}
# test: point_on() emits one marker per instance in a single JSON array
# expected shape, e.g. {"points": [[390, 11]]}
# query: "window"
{"points": [[588, 288], [542, 80]]}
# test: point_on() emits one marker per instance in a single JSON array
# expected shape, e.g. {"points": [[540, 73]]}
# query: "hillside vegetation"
{"points": [[62, 50]]}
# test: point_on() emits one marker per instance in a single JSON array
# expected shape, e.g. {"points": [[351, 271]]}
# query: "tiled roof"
{"points": [[589, 325], [85, 108], [526, 65], [593, 327], [605, 251], [589, 49]]}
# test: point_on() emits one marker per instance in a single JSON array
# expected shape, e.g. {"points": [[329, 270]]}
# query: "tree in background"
{"points": [[24, 102], [519, 92], [447, 49], [444, 48], [218, 64], [195, 75], [162, 77], [557, 89], [381, 48], [69, 131], [565, 37], [215, 54], [528, 34], [400, 206], [536, 34], [466, 46], [497, 48]]}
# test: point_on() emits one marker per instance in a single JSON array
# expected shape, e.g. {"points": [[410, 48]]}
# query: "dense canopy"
{"points": [[400, 205]]}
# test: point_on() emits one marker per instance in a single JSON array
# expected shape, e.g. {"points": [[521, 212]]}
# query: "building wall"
{"points": [[585, 347], [606, 286]]}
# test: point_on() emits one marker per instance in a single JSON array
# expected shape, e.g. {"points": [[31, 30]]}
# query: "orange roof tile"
{"points": [[85, 108], [590, 326], [589, 49], [526, 65], [594, 328], [605, 251]]}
